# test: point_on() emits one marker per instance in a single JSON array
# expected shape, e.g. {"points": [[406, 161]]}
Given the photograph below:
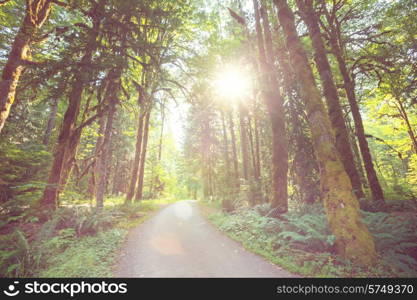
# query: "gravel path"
{"points": [[179, 242]]}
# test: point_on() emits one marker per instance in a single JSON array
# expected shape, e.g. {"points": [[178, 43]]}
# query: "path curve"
{"points": [[179, 242]]}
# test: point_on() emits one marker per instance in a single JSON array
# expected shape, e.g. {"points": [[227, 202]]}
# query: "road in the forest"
{"points": [[179, 242]]}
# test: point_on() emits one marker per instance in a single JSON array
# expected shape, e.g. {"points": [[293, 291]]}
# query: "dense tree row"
{"points": [[83, 73], [307, 132], [286, 102]]}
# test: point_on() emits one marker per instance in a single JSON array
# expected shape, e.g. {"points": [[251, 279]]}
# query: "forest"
{"points": [[292, 123]]}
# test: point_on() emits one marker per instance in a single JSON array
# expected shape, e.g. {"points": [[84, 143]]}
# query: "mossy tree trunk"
{"points": [[275, 106], [226, 147], [353, 239], [331, 95], [337, 48], [51, 121], [243, 117], [375, 186], [68, 130], [37, 12], [141, 175], [104, 159], [92, 183], [234, 151], [136, 161]]}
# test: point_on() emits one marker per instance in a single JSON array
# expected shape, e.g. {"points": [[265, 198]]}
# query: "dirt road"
{"points": [[179, 242]]}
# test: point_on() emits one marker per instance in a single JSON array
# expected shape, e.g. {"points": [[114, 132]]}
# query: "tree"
{"points": [[353, 239], [139, 189], [274, 103], [69, 133], [331, 95], [138, 150], [37, 13], [336, 44]]}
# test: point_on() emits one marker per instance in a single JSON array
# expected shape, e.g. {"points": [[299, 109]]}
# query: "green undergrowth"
{"points": [[77, 241], [301, 242]]}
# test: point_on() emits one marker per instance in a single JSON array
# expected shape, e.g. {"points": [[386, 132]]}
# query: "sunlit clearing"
{"points": [[183, 210], [233, 83]]}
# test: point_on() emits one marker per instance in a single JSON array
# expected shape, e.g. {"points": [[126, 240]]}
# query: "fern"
{"points": [[307, 230], [16, 258]]}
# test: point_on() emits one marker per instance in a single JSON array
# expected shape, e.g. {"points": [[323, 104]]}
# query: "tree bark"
{"points": [[353, 239], [275, 106], [234, 151], [51, 121], [141, 176], [105, 156], [377, 193], [331, 95], [252, 148], [162, 132], [136, 161], [226, 149], [404, 115], [117, 176], [97, 152], [244, 141], [257, 149], [37, 12], [51, 192], [349, 86]]}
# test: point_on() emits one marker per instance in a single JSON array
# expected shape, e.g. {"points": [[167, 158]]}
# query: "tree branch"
{"points": [[60, 3], [3, 2]]}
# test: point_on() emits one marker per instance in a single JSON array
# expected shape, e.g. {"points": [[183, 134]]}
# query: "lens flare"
{"points": [[233, 83]]}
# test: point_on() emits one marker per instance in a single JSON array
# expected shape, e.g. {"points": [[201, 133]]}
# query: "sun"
{"points": [[233, 83]]}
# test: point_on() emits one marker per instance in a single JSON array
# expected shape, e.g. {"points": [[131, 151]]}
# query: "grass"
{"points": [[75, 242], [301, 243], [91, 256]]}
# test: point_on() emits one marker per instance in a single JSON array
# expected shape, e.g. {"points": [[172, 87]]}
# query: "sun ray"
{"points": [[233, 83]]}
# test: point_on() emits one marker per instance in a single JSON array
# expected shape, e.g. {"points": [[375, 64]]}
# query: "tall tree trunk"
{"points": [[226, 202], [141, 176], [161, 139], [275, 106], [349, 86], [105, 156], [51, 192], [353, 239], [257, 149], [377, 193], [404, 115], [234, 151], [244, 141], [117, 176], [136, 161], [356, 151], [92, 184], [161, 136], [331, 95], [226, 148], [51, 121], [252, 148], [37, 12]]}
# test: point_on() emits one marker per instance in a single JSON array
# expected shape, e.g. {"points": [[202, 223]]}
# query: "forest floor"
{"points": [[77, 241], [300, 240], [179, 242], [171, 238]]}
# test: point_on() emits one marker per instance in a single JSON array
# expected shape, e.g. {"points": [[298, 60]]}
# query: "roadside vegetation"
{"points": [[301, 242], [299, 117], [78, 241]]}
